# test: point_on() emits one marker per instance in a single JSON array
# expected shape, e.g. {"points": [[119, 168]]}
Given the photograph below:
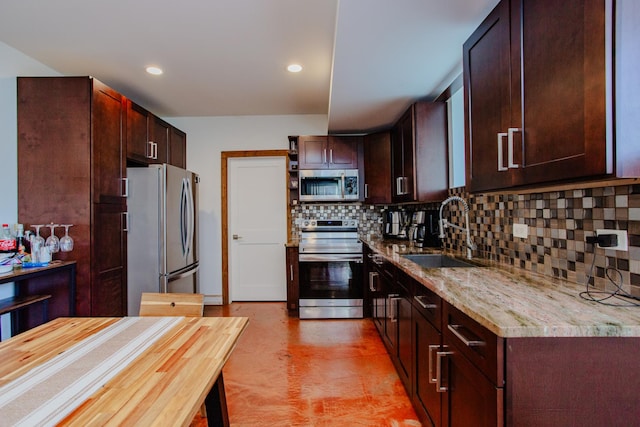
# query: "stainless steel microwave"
{"points": [[329, 185]]}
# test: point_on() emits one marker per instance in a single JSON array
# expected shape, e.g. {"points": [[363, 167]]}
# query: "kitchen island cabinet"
{"points": [[72, 170], [539, 98], [497, 345]]}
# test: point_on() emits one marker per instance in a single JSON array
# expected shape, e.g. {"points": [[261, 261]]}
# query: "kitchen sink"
{"points": [[436, 261]]}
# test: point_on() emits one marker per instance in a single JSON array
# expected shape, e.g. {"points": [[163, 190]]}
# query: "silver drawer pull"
{"points": [[467, 341], [432, 379], [426, 306], [439, 355]]}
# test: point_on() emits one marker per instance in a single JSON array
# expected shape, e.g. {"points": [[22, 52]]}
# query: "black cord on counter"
{"points": [[620, 296]]}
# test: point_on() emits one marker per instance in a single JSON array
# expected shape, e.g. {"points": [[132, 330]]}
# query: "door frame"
{"points": [[224, 156]]}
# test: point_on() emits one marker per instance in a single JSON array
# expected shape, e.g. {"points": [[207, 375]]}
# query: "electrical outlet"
{"points": [[622, 239], [521, 230]]}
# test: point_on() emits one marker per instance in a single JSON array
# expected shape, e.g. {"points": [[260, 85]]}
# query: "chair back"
{"points": [[171, 304]]}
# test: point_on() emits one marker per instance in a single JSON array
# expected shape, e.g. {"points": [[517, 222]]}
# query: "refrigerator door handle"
{"points": [[191, 217], [184, 232]]}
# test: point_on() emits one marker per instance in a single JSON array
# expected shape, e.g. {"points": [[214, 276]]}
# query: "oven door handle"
{"points": [[330, 257]]}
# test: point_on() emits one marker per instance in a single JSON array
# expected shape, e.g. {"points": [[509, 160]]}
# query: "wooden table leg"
{"points": [[216, 404]]}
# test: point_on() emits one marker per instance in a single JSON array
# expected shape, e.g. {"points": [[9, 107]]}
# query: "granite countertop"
{"points": [[513, 302]]}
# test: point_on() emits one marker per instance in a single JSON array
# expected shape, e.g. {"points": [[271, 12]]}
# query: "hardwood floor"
{"points": [[287, 372]]}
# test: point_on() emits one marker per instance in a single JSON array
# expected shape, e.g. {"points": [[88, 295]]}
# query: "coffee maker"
{"points": [[427, 230], [397, 224]]}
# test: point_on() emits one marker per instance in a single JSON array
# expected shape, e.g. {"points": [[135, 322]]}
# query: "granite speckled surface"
{"points": [[512, 302]]}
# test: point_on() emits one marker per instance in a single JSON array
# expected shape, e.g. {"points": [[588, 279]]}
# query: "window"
{"points": [[455, 110]]}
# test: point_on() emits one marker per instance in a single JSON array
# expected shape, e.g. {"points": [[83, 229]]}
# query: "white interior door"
{"points": [[257, 221]]}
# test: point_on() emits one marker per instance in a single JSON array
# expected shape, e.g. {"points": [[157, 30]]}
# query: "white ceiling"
{"points": [[364, 61]]}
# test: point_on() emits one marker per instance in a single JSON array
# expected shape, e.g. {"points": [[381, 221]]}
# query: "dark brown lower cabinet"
{"points": [[292, 281], [458, 373], [470, 399], [426, 398]]}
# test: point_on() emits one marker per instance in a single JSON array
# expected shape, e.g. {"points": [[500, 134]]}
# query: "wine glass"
{"points": [[66, 242], [52, 242], [37, 243]]}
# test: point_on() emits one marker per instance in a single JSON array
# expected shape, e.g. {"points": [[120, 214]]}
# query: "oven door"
{"points": [[331, 276]]}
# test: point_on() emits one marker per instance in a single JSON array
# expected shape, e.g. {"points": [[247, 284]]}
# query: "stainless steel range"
{"points": [[330, 264]]}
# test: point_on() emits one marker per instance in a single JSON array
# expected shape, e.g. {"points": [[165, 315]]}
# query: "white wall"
{"points": [[12, 63], [207, 137]]}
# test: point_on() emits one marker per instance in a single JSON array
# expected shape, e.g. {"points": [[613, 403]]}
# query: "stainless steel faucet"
{"points": [[444, 223]]}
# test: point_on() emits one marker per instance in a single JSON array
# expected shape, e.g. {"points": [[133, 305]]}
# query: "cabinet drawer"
{"points": [[427, 303], [482, 347]]}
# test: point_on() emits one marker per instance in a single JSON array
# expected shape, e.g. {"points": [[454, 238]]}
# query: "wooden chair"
{"points": [[171, 304], [174, 304]]}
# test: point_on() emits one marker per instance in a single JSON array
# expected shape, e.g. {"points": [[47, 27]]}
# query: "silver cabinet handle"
{"points": [[432, 379], [331, 156], [501, 167], [393, 307], [126, 221], [125, 181], [155, 151], [456, 329], [418, 299], [291, 271], [366, 191], [373, 275], [439, 355], [398, 186], [510, 133], [324, 156]]}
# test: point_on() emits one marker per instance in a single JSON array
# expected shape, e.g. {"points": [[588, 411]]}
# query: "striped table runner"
{"points": [[47, 393]]}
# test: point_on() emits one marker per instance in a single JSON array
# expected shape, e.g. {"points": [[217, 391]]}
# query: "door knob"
{"points": [[236, 237]]}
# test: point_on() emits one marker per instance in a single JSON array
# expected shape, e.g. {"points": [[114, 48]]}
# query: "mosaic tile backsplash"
{"points": [[559, 223], [369, 217]]}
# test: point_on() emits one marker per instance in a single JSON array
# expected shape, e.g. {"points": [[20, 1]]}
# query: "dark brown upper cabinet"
{"points": [[328, 152], [147, 136], [377, 168], [536, 94], [419, 162]]}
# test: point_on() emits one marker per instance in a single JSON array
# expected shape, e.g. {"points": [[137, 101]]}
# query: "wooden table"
{"points": [[165, 385]]}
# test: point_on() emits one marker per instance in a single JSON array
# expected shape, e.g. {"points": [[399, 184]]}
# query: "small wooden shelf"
{"points": [[7, 305]]}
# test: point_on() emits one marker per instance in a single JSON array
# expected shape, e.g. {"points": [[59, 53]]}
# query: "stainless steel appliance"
{"points": [[327, 185], [162, 234], [330, 268]]}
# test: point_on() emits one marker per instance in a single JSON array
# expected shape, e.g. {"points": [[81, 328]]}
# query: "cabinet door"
{"points": [[177, 153], [426, 342], [405, 343], [402, 146], [292, 281], [564, 89], [343, 152], [377, 168], [471, 399], [312, 152], [159, 137], [109, 265], [487, 99], [138, 147], [108, 147], [431, 152]]}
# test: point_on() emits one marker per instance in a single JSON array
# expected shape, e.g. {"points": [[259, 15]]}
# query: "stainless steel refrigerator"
{"points": [[162, 248]]}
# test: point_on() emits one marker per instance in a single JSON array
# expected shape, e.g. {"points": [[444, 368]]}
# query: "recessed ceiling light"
{"points": [[294, 68], [154, 70]]}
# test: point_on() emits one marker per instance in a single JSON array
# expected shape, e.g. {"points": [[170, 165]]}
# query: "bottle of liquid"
{"points": [[7, 240], [21, 242]]}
